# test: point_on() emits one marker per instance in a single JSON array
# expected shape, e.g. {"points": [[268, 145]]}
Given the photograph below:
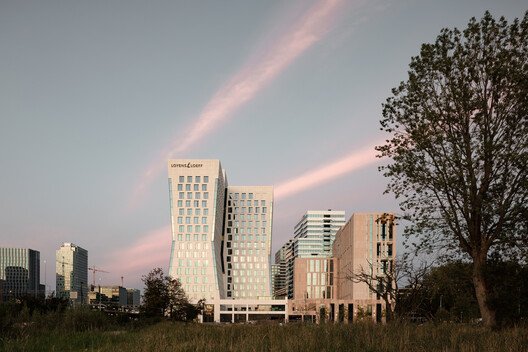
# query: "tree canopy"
{"points": [[458, 145], [164, 296]]}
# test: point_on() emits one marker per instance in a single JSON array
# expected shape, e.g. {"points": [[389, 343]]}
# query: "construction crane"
{"points": [[94, 270]]}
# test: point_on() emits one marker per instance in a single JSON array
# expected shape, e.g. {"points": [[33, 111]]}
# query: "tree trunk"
{"points": [[487, 312], [388, 311]]}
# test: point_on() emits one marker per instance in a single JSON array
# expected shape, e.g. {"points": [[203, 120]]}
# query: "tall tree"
{"points": [[164, 295], [458, 145]]}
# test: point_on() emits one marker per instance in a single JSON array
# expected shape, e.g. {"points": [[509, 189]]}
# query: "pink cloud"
{"points": [[150, 251], [326, 173], [246, 83]]}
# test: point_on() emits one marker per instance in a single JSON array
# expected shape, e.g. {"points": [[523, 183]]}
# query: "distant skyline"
{"points": [[96, 96]]}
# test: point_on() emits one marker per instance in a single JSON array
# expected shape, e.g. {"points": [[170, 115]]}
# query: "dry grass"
{"points": [[293, 337]]}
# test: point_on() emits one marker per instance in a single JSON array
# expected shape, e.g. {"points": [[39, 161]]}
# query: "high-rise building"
{"points": [[20, 270], [280, 287], [221, 235], [367, 242], [314, 236], [71, 271]]}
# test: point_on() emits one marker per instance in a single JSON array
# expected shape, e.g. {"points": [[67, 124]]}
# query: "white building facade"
{"points": [[219, 236]]}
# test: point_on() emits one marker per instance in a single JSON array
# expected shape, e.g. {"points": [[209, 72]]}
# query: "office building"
{"points": [[71, 272], [20, 272], [133, 297], [366, 242], [322, 286], [221, 235], [314, 236]]}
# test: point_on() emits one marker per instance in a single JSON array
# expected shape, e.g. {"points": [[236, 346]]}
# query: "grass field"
{"points": [[168, 336]]}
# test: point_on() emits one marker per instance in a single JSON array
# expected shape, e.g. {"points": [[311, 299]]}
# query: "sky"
{"points": [[95, 96]]}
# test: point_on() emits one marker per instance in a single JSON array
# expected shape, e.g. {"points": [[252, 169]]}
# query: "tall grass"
{"points": [[293, 337]]}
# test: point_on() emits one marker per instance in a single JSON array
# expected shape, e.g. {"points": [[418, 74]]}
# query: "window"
{"points": [[196, 187], [250, 195], [206, 195], [197, 179], [204, 237], [180, 203], [180, 237], [196, 203], [189, 179], [180, 220], [206, 211], [263, 203], [197, 228], [187, 236], [189, 195], [204, 204], [197, 195], [187, 203], [206, 228], [181, 211], [181, 228], [204, 187], [206, 179], [187, 220], [182, 179], [180, 187], [181, 195], [204, 220], [195, 220], [189, 228], [189, 211], [243, 196], [197, 211]]}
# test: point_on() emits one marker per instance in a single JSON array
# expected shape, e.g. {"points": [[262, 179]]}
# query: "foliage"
{"points": [[164, 295], [446, 293], [459, 145]]}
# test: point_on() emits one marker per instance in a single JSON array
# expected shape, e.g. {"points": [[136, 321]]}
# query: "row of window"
{"points": [[316, 279], [189, 228], [247, 287], [191, 271], [195, 220], [196, 280], [195, 204], [243, 259], [197, 211], [188, 254], [249, 203], [242, 224], [195, 237], [244, 252], [237, 195], [189, 263], [315, 265], [246, 244], [244, 210], [193, 245], [197, 179], [250, 278], [195, 187], [255, 217], [197, 288], [249, 266], [197, 195], [249, 237], [243, 230], [242, 294]]}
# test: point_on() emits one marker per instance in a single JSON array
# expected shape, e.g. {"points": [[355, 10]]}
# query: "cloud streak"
{"points": [[310, 179], [248, 81], [153, 249]]}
